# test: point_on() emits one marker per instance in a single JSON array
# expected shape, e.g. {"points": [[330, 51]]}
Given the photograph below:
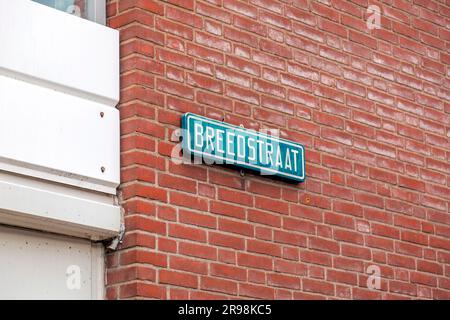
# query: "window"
{"points": [[94, 10]]}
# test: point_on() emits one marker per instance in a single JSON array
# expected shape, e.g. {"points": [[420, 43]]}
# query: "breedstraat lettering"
{"points": [[227, 144]]}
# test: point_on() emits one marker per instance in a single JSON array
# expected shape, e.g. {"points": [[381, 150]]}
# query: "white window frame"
{"points": [[98, 7], [96, 11]]}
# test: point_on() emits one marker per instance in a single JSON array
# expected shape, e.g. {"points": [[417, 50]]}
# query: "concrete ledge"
{"points": [[41, 205]]}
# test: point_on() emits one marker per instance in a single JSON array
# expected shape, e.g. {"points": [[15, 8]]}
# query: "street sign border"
{"points": [[186, 147]]}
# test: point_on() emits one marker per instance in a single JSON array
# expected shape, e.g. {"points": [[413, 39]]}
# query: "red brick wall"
{"points": [[370, 106]]}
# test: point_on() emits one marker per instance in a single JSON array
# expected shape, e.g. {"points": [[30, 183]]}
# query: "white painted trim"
{"points": [[40, 265], [24, 168], [57, 74], [59, 128], [47, 206], [59, 137], [98, 271], [63, 51]]}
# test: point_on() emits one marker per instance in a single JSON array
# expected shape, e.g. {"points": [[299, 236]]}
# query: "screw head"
{"points": [[102, 114], [103, 169]]}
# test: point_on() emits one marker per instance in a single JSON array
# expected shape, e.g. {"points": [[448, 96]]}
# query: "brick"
{"points": [[298, 225], [275, 20], [205, 53], [232, 76], [330, 147], [175, 89], [225, 240], [365, 294], [236, 227], [339, 192], [339, 220], [348, 264], [250, 26], [283, 281], [241, 7], [316, 258], [264, 218], [212, 42], [411, 183], [204, 83], [184, 17], [348, 236], [332, 27], [385, 231], [422, 278], [356, 252], [348, 208], [227, 209], [256, 276], [380, 243], [227, 271], [276, 49], [177, 183], [333, 55], [408, 249], [197, 250], [403, 288], [342, 277], [174, 28], [188, 201], [213, 12], [300, 15], [243, 65], [242, 94], [235, 196], [430, 267], [271, 205], [262, 247], [254, 261], [296, 82], [316, 286], [402, 261], [302, 43], [218, 285], [178, 278], [269, 60], [187, 264], [184, 232], [369, 107], [254, 291], [336, 163], [198, 219], [290, 238], [384, 176], [324, 245], [214, 100], [269, 88]]}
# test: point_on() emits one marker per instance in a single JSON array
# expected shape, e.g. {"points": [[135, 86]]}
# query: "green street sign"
{"points": [[213, 141]]}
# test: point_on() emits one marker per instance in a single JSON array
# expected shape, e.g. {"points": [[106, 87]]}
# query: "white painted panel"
{"points": [[56, 136], [41, 205], [37, 265], [58, 74], [61, 51]]}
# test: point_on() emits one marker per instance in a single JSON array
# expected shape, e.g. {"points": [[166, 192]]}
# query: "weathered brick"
{"points": [[370, 107]]}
